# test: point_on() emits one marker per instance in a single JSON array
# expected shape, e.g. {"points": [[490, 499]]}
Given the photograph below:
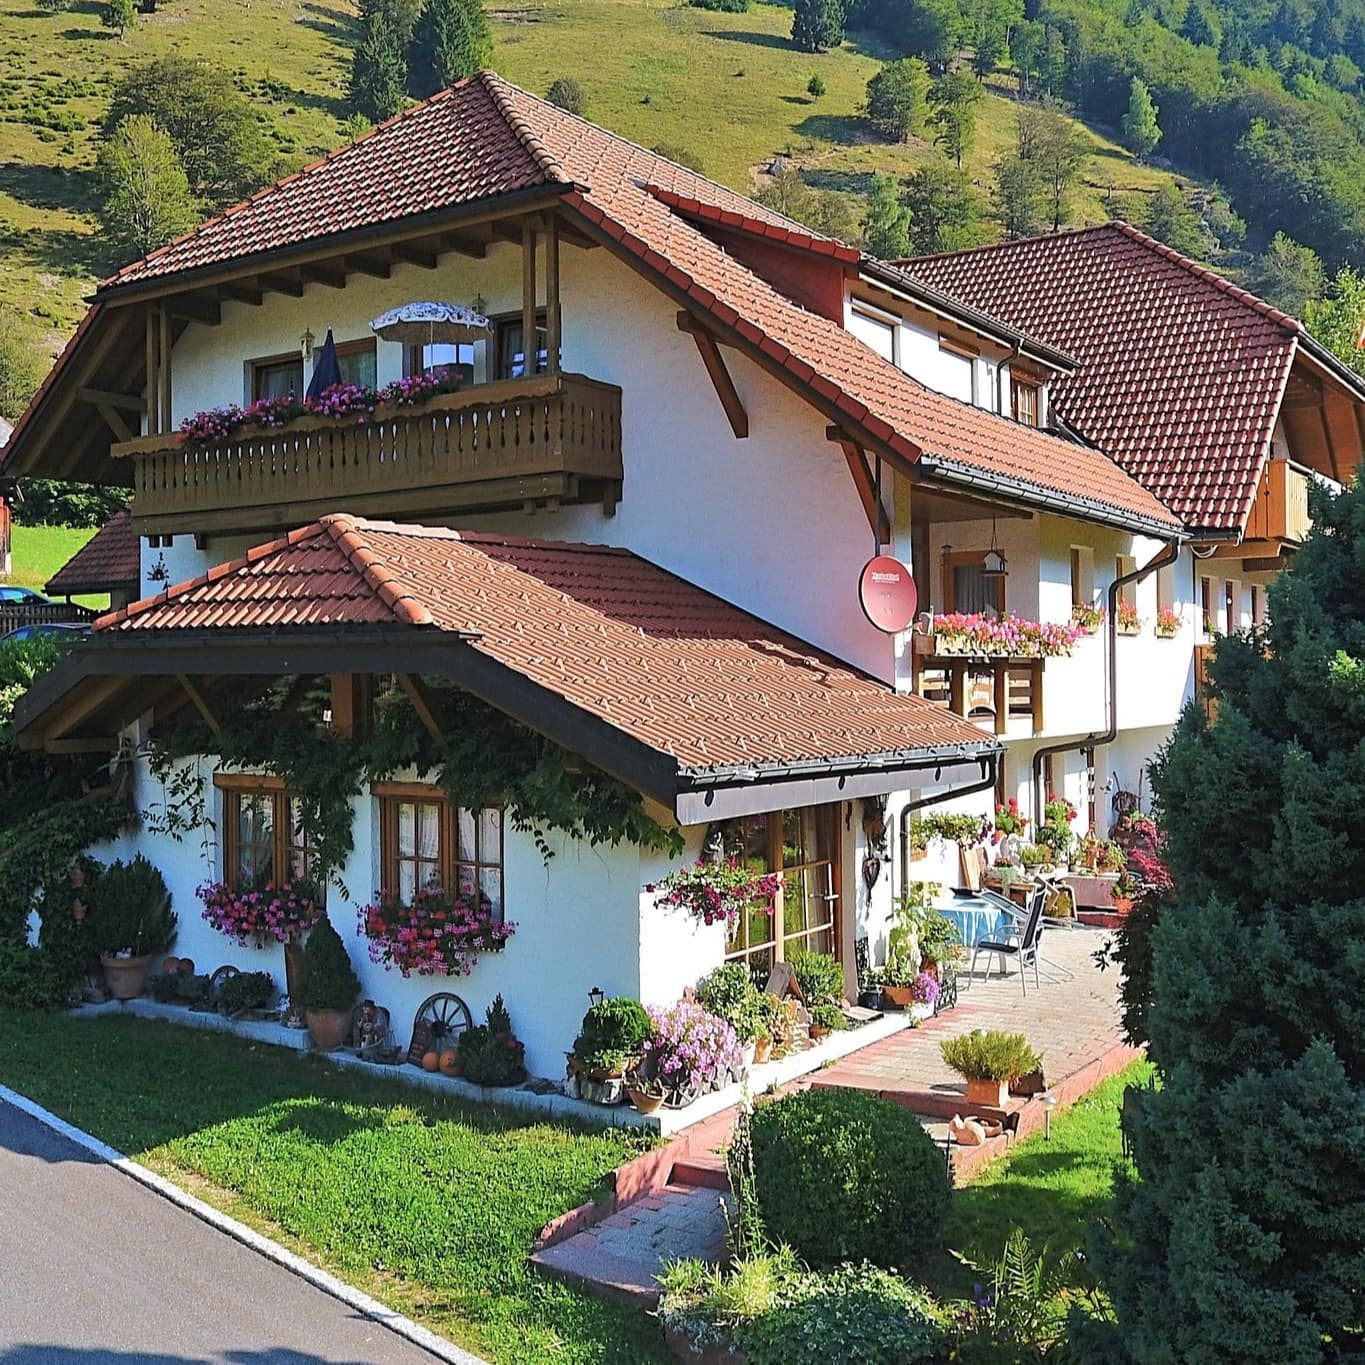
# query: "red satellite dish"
{"points": [[887, 592]]}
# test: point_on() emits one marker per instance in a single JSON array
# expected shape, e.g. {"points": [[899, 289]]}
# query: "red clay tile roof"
{"points": [[110, 559], [618, 637], [484, 138], [1181, 373]]}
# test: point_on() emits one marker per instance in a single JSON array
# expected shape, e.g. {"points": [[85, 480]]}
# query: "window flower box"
{"points": [[980, 636], [714, 891], [437, 934], [1127, 620], [1167, 625], [280, 912], [1087, 618]]}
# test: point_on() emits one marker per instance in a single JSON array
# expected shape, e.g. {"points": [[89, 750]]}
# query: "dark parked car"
{"points": [[67, 629]]}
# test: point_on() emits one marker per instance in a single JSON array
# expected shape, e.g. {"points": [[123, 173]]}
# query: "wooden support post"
{"points": [[201, 703], [164, 367], [1002, 698], [528, 298], [717, 372], [422, 703], [153, 384], [957, 687], [352, 701], [554, 326], [116, 424], [1035, 686], [863, 481], [94, 693]]}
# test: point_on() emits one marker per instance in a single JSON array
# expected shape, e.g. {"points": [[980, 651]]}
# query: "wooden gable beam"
{"points": [[317, 273], [864, 483], [283, 284], [242, 293], [201, 702], [130, 402], [193, 308], [369, 263], [721, 381], [463, 243], [122, 431], [87, 699], [423, 703], [413, 255]]}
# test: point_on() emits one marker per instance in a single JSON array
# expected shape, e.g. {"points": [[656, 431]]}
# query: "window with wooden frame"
{"points": [[449, 360], [508, 349], [803, 844], [264, 836], [1230, 607], [425, 841], [1025, 402], [1126, 564], [357, 362], [966, 587], [958, 369], [275, 376], [1206, 606], [1082, 576], [1165, 588]]}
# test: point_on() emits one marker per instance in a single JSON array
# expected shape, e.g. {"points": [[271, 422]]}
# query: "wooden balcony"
{"points": [[516, 442], [1201, 681], [1280, 512], [989, 692]]}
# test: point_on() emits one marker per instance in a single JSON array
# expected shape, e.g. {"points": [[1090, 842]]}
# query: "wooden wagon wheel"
{"points": [[224, 973], [440, 1020]]}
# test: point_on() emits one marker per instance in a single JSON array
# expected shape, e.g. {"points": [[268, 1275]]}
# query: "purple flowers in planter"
{"points": [[924, 991], [692, 1049]]}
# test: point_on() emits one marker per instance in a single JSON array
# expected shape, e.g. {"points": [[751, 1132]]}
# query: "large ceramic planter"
{"points": [[644, 1104], [126, 976], [898, 997], [992, 1094], [328, 1028]]}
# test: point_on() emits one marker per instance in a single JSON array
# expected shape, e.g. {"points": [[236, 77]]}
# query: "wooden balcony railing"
{"points": [[1280, 512], [1201, 680], [16, 614], [990, 692], [505, 444]]}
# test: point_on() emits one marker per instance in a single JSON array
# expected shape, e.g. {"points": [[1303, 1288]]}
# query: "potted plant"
{"points": [[609, 1042], [1109, 857], [436, 934], [730, 994], [988, 1060], [329, 988], [825, 1018], [781, 1023], [1126, 619], [490, 1053], [131, 923], [1034, 857], [245, 992], [1087, 616], [1168, 623], [711, 892], [647, 1093], [690, 1052], [1055, 833], [924, 994]]}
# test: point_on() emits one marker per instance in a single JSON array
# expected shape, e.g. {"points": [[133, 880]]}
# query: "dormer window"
{"points": [[1025, 401], [875, 329]]}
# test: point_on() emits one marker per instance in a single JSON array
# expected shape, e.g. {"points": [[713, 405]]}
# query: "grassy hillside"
{"points": [[39, 551], [727, 86]]}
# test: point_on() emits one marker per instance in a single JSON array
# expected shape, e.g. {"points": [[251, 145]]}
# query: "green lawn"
{"points": [[1051, 1189], [39, 551], [429, 1206]]}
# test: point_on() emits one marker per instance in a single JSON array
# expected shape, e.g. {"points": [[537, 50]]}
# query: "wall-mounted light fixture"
{"points": [[306, 344], [993, 562]]}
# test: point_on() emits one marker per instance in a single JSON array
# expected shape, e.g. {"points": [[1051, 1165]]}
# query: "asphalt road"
{"points": [[95, 1267]]}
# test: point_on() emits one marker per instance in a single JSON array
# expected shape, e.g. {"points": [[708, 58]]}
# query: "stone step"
{"points": [[708, 1172]]}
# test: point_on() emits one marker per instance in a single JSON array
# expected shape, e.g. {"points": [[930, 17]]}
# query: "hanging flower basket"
{"points": [[980, 636], [279, 913], [437, 934], [711, 892]]}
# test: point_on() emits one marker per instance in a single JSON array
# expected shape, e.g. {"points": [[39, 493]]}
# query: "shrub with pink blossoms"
{"points": [[281, 912], [436, 935]]}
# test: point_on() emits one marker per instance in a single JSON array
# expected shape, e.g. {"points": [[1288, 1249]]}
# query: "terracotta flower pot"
{"points": [[328, 1028], [763, 1049], [644, 1104], [817, 1032], [993, 1094], [126, 976], [897, 996]]}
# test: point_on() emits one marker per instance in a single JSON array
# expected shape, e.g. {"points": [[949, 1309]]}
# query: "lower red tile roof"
{"points": [[1181, 372], [110, 560], [667, 663]]}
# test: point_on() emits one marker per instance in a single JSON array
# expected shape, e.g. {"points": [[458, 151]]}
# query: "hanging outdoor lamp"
{"points": [[993, 562]]}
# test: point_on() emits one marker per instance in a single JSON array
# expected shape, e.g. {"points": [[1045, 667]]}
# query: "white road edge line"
{"points": [[329, 1284]]}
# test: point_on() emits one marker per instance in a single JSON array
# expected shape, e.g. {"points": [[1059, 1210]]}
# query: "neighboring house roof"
{"points": [[108, 561], [484, 138], [1181, 373], [640, 649]]}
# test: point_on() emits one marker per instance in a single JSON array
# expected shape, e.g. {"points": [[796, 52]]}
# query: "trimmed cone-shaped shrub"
{"points": [[846, 1176], [1241, 1240], [329, 981]]}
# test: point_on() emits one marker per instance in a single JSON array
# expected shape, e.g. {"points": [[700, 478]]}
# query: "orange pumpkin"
{"points": [[170, 965], [430, 1061], [450, 1063], [186, 967]]}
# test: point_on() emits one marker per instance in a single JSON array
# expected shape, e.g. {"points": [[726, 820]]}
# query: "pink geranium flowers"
{"points": [[983, 636], [436, 934], [282, 912], [710, 892]]}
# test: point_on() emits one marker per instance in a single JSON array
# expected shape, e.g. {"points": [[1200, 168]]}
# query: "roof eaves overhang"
{"points": [[694, 796], [939, 468], [916, 291], [1328, 361], [528, 200]]}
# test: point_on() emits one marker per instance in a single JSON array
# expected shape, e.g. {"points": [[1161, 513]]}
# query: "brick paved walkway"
{"points": [[1070, 1022], [623, 1253]]}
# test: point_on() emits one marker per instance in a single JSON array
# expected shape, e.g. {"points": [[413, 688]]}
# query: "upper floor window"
{"points": [[264, 836], [1126, 564], [511, 358], [356, 361], [875, 328], [966, 587], [276, 376], [426, 841], [447, 359], [1165, 588], [1026, 402], [957, 367], [1082, 576]]}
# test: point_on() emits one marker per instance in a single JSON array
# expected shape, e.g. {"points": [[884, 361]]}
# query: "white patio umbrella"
{"points": [[429, 321]]}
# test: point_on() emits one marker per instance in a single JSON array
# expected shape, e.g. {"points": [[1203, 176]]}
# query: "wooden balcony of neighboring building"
{"points": [[1206, 703], [1280, 512], [991, 692], [554, 438]]}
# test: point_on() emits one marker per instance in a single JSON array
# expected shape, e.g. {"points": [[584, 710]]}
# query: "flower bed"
{"points": [[436, 935], [977, 635], [338, 401], [280, 913]]}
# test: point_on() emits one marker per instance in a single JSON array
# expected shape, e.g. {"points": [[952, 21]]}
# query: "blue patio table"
{"points": [[975, 918]]}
